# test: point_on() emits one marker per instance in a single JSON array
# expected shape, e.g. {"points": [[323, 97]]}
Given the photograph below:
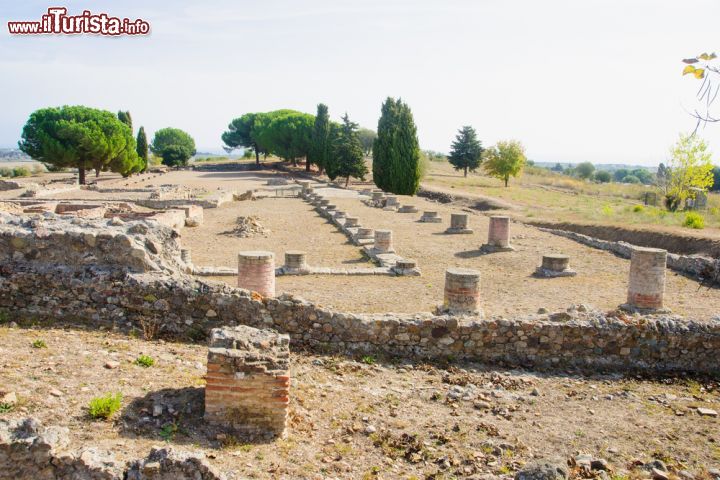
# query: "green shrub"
{"points": [[4, 316], [104, 407], [607, 210], [638, 208], [144, 361], [6, 172], [5, 407], [694, 220], [39, 344], [21, 172]]}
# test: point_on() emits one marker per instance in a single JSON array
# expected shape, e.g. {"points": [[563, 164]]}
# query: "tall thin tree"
{"points": [[142, 148], [320, 140]]}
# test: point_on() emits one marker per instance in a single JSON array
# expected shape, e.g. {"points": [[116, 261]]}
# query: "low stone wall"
{"points": [[179, 306], [705, 268], [136, 246], [29, 450]]}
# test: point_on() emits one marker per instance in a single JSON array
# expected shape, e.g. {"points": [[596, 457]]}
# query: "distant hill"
{"points": [[13, 155]]}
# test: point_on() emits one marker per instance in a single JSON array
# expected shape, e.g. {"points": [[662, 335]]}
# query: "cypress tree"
{"points": [[396, 151], [142, 148], [466, 150], [348, 152], [125, 118], [320, 140]]}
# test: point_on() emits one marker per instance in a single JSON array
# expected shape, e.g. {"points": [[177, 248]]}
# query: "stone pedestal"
{"points": [[248, 386], [462, 292], [391, 202], [646, 288], [330, 207], [324, 202], [498, 235], [365, 233], [555, 265], [405, 266], [351, 221], [377, 196], [458, 224], [339, 214], [256, 272], [383, 241], [430, 217], [295, 260], [407, 209]]}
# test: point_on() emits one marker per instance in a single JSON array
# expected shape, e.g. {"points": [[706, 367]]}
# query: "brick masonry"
{"points": [[646, 286], [248, 386], [256, 272]]}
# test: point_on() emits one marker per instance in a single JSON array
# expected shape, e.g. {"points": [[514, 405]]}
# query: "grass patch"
{"points": [[145, 361], [105, 407], [39, 343], [5, 407]]}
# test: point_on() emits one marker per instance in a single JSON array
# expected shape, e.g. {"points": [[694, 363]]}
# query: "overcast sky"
{"points": [[573, 80]]}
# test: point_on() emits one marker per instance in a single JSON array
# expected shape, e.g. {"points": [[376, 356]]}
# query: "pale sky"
{"points": [[573, 80]]}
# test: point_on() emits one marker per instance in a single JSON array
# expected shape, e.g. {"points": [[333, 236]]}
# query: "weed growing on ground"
{"points": [[105, 407], [369, 360], [39, 343], [145, 361]]}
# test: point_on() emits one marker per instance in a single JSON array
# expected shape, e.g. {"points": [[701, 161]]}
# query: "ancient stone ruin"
{"points": [[646, 286], [555, 265], [256, 272], [459, 224], [248, 386], [498, 236]]}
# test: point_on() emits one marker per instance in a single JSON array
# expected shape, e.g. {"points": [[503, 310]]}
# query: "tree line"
{"points": [[91, 139]]}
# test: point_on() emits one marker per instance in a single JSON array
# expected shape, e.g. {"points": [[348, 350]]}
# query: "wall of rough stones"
{"points": [[49, 239], [30, 450], [694, 265], [48, 286]]}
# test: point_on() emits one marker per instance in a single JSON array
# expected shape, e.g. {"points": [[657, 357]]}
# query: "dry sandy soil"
{"points": [[508, 286], [352, 419]]}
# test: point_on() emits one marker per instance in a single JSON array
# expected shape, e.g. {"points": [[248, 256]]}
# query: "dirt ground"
{"points": [[363, 418], [508, 287]]}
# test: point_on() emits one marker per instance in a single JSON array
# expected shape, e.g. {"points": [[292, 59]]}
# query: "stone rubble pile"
{"points": [[247, 227]]}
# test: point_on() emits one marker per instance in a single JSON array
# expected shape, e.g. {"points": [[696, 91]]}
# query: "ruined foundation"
{"points": [[405, 266], [256, 272], [430, 217], [498, 236], [458, 224], [646, 287], [248, 386], [407, 209], [295, 260], [555, 265], [462, 292], [391, 202], [383, 241]]}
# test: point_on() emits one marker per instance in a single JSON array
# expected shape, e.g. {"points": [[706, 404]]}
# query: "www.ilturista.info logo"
{"points": [[57, 21]]}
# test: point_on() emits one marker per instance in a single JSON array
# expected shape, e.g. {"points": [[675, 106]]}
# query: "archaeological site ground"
{"points": [[223, 321]]}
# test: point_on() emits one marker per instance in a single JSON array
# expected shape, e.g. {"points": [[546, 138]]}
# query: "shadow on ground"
{"points": [[175, 415]]}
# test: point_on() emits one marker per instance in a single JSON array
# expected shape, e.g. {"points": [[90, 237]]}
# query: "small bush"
{"points": [[145, 361], [694, 220], [105, 407], [4, 316], [5, 407], [39, 343], [21, 172], [5, 172], [638, 208], [607, 210]]}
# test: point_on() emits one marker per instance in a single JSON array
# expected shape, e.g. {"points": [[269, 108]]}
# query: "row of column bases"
{"points": [[646, 286]]}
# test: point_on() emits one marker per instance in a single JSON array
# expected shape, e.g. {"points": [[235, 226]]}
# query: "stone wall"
{"points": [[184, 307], [29, 450], [54, 270], [704, 267], [137, 246]]}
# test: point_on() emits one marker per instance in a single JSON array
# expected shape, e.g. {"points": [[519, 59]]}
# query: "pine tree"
{"points": [[320, 140], [142, 148], [396, 152], [348, 152], [466, 150]]}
